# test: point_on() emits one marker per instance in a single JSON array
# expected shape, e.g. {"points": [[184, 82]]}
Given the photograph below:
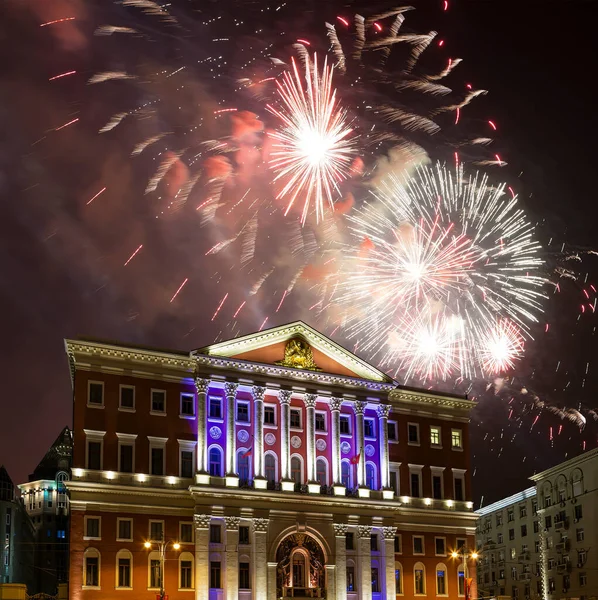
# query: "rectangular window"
{"points": [[511, 534], [413, 434], [95, 393], [398, 581], [498, 519], [456, 439], [349, 540], [244, 535], [522, 511], [523, 530], [350, 579], [583, 579], [92, 528], [295, 418], [579, 535], [215, 534], [320, 422], [368, 428], [155, 574], [127, 397], [187, 405], [415, 485], [91, 571], [156, 531], [582, 556], [536, 526], [215, 408], [186, 463], [394, 481], [459, 491], [124, 572], [418, 544], [548, 522], [242, 412], [398, 544], [437, 487], [215, 575], [125, 530], [375, 580], [186, 574], [534, 507], [577, 512], [374, 542], [393, 432], [269, 415], [186, 533], [536, 546], [440, 544], [513, 553], [94, 455], [126, 458], [158, 401], [244, 581], [345, 424], [435, 439], [157, 461]]}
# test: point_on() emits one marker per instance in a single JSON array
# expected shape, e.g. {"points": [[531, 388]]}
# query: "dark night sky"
{"points": [[61, 269]]}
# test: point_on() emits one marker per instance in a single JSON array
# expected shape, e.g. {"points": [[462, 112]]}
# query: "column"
{"points": [[232, 558], [383, 411], [201, 385], [331, 581], [310, 404], [258, 434], [202, 557], [284, 397], [359, 408], [364, 561], [272, 580], [388, 559], [230, 390], [260, 559], [340, 538], [335, 439]]}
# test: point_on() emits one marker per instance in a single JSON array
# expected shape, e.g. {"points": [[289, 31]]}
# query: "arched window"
{"points": [[124, 569], [321, 471], [399, 578], [297, 469], [351, 582], [91, 568], [270, 467], [154, 570], [243, 465], [547, 494], [186, 571], [461, 580], [215, 462], [346, 478], [577, 482], [441, 583], [561, 485], [370, 476], [419, 579]]}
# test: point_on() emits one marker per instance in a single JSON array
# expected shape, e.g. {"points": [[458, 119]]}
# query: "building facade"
{"points": [[45, 499], [539, 543], [272, 465]]}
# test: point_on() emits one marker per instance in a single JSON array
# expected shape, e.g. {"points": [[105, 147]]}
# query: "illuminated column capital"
{"points": [[310, 404], [310, 400], [383, 411], [258, 392], [284, 396], [230, 391], [202, 521], [335, 404]]}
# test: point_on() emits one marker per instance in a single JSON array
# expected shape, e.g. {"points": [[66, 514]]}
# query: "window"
{"points": [[398, 549], [523, 530], [441, 580], [435, 439], [577, 512], [498, 519], [440, 546], [582, 556], [461, 581], [125, 530], [155, 573], [296, 470], [413, 434], [321, 472], [370, 476], [296, 418], [368, 428], [536, 526], [394, 480], [244, 581], [156, 531], [186, 533], [511, 534], [156, 461], [243, 466], [270, 467], [158, 401], [187, 405], [242, 412], [320, 421], [456, 439], [510, 515], [244, 535], [459, 489], [536, 546], [215, 575], [513, 553], [547, 501], [215, 460], [127, 397], [415, 485], [186, 567], [398, 579], [269, 415], [187, 463], [551, 584], [94, 455], [215, 531], [437, 487], [534, 507], [346, 474], [125, 457], [345, 424], [522, 511], [95, 393], [579, 535], [350, 578], [215, 408], [92, 528], [548, 522], [374, 542], [375, 580], [393, 433], [92, 568], [515, 592], [350, 540], [124, 569], [418, 544], [419, 578], [61, 534], [583, 579]]}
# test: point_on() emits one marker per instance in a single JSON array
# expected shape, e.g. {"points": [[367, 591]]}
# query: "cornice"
{"points": [[429, 399]]}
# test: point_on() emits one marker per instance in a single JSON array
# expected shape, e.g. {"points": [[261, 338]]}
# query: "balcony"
{"points": [[561, 525], [563, 567], [563, 547]]}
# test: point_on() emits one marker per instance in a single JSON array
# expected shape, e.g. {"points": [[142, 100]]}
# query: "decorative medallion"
{"points": [[215, 432], [370, 450], [321, 445], [345, 447], [270, 439], [298, 355], [243, 435], [296, 441]]}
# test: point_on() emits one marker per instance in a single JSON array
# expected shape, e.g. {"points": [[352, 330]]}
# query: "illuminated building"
{"points": [[271, 465]]}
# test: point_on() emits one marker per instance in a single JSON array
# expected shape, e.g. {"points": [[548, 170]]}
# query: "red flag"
{"points": [[248, 453], [355, 459]]}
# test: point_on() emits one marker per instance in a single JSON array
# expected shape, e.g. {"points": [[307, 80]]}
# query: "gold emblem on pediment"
{"points": [[298, 355]]}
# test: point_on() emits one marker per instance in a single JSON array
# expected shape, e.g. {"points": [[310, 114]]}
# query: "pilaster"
{"points": [[284, 397], [260, 559], [383, 412], [201, 385], [340, 545], [359, 408], [202, 559], [364, 560], [258, 435], [230, 391], [310, 403], [335, 411], [232, 558], [388, 560]]}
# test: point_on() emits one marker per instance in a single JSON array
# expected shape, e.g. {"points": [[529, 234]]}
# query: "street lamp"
{"points": [[465, 555], [162, 553]]}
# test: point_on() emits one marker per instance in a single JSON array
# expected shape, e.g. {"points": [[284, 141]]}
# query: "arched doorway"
{"points": [[300, 571]]}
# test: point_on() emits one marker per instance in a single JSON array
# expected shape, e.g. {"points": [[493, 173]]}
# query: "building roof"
{"points": [[568, 464], [7, 487], [57, 458], [509, 501]]}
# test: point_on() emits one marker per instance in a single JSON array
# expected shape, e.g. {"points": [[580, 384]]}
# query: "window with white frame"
{"points": [[437, 482], [413, 434], [369, 430], [187, 458], [93, 528], [394, 480], [185, 532], [91, 568], [419, 579], [244, 576], [320, 421], [124, 529], [393, 431], [215, 407], [440, 546], [124, 564], [345, 424], [435, 436], [243, 467], [415, 480], [126, 400], [441, 585], [270, 467], [295, 418], [154, 571], [186, 571], [418, 544], [156, 530], [215, 461], [370, 476], [297, 469], [322, 471], [242, 411], [94, 449], [456, 439], [187, 405], [95, 393], [157, 455], [269, 414], [126, 452], [158, 402], [459, 485], [346, 474]]}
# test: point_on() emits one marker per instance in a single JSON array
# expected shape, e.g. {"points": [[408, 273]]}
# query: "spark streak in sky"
{"points": [[178, 291]]}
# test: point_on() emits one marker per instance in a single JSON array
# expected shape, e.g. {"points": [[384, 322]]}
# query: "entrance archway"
{"points": [[300, 572]]}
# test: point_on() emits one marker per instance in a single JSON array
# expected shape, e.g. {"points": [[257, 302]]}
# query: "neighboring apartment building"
{"points": [[45, 500], [16, 536], [275, 464], [540, 543]]}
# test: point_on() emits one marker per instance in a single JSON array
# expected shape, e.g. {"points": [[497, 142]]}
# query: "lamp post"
{"points": [[162, 553], [465, 555]]}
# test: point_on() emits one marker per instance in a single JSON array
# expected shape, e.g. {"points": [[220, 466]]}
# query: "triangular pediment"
{"points": [[297, 346]]}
